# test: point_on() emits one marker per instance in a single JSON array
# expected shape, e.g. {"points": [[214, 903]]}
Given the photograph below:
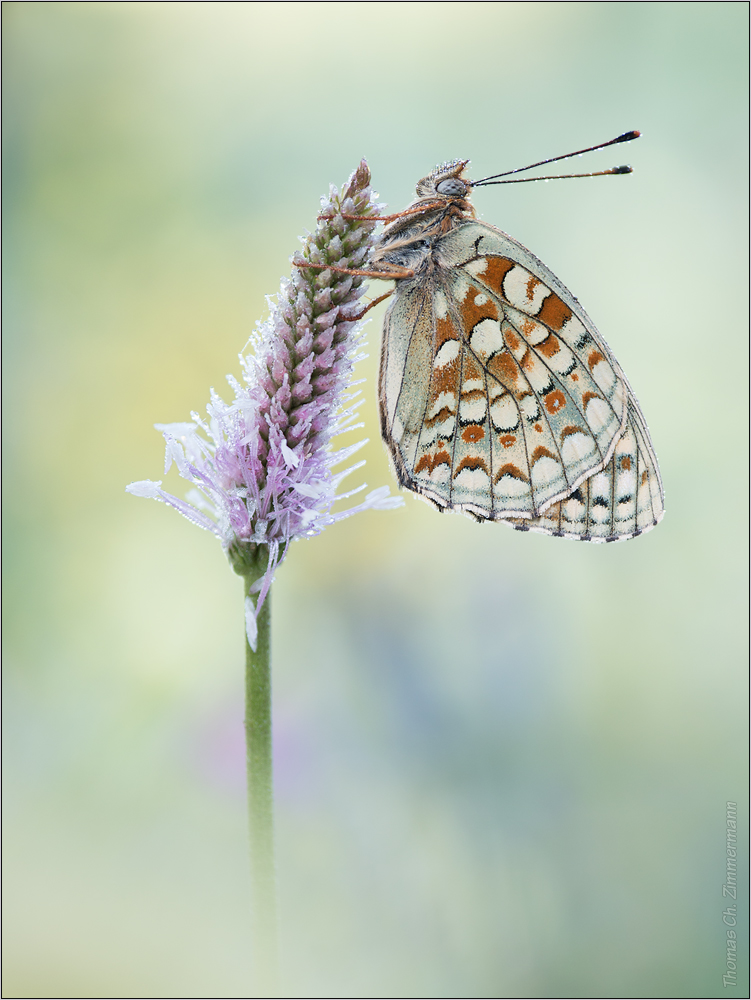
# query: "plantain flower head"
{"points": [[262, 466]]}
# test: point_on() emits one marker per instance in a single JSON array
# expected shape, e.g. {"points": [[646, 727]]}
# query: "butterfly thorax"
{"points": [[441, 205]]}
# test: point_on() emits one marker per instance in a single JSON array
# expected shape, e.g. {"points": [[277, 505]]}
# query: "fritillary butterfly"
{"points": [[498, 397]]}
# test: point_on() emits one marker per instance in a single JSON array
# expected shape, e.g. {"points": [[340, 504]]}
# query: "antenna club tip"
{"points": [[628, 136], [625, 169]]}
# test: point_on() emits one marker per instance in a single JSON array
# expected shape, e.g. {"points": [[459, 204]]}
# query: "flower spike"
{"points": [[261, 466]]}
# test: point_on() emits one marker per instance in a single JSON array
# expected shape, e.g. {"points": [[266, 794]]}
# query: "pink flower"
{"points": [[262, 465]]}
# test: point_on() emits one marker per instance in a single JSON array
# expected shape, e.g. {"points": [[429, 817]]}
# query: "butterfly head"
{"points": [[446, 181]]}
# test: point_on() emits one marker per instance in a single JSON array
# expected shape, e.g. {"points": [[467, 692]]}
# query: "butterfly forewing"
{"points": [[522, 405]]}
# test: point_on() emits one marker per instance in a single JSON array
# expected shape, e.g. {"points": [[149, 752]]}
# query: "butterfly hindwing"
{"points": [[405, 374], [621, 501]]}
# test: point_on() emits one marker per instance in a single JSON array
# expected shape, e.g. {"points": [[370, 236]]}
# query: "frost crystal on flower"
{"points": [[262, 465]]}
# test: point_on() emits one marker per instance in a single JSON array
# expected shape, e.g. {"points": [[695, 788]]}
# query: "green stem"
{"points": [[261, 802]]}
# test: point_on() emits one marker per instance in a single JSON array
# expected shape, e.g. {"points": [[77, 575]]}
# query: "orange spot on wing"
{"points": [[504, 368], [644, 477], [471, 313], [554, 312], [626, 462], [507, 440], [445, 379], [509, 469], [531, 285], [528, 361], [555, 401], [571, 429], [443, 414], [549, 346], [444, 330], [594, 359], [430, 462], [574, 377], [541, 452], [588, 396], [473, 395], [494, 273], [472, 369], [511, 339], [473, 433], [472, 462], [538, 428]]}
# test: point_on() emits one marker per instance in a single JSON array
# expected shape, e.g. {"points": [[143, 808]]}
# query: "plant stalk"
{"points": [[261, 804]]}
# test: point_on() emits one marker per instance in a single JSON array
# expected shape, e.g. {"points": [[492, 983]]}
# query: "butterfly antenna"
{"points": [[625, 137], [624, 169]]}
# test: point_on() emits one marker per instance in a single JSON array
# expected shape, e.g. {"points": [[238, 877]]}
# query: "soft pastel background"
{"points": [[502, 760]]}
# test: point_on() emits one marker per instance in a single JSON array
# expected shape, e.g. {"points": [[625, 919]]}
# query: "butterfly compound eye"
{"points": [[452, 186]]}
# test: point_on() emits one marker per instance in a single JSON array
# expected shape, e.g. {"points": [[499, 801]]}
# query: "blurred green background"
{"points": [[502, 760]]}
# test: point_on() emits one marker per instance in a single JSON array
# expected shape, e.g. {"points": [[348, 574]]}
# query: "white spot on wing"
{"points": [[600, 485], [562, 359], [440, 473], [529, 406], [572, 330], [545, 471], [625, 481], [448, 352], [604, 376], [445, 429], [510, 486], [524, 291], [534, 333], [447, 399], [473, 409], [598, 414], [486, 338], [472, 479], [537, 375], [574, 509], [477, 267], [576, 447], [504, 414], [461, 287], [598, 514]]}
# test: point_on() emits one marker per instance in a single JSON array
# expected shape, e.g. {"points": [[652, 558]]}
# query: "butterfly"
{"points": [[498, 397]]}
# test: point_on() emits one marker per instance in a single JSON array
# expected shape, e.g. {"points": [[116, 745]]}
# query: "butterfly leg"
{"points": [[370, 305], [394, 272], [414, 210]]}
